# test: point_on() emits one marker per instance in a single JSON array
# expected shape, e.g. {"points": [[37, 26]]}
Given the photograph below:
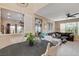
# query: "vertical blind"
{"points": [[71, 27]]}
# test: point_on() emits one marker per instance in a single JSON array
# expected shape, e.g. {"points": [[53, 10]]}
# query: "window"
{"points": [[71, 27], [12, 29], [38, 25], [19, 29], [78, 28]]}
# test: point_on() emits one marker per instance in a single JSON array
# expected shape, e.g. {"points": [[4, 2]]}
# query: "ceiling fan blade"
{"points": [[69, 15], [75, 14]]}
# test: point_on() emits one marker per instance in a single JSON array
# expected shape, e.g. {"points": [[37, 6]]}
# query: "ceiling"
{"points": [[12, 15], [33, 7], [16, 7], [58, 11]]}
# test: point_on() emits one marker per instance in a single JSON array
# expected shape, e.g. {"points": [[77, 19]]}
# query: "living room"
{"points": [[41, 21]]}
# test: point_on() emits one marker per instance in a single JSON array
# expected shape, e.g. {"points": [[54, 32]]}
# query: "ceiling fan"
{"points": [[71, 15]]}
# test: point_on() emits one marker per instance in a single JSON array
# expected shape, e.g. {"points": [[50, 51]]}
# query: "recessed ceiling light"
{"points": [[8, 17], [8, 14]]}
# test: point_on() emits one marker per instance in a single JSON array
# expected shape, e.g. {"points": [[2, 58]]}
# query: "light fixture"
{"points": [[23, 4], [8, 14], [8, 17]]}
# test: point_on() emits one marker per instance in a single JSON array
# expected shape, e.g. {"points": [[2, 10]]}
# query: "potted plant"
{"points": [[30, 38]]}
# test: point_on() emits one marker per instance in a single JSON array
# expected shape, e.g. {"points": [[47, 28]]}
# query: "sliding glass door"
{"points": [[71, 27]]}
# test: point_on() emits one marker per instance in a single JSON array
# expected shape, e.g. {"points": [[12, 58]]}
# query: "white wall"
{"points": [[53, 26], [28, 23]]}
